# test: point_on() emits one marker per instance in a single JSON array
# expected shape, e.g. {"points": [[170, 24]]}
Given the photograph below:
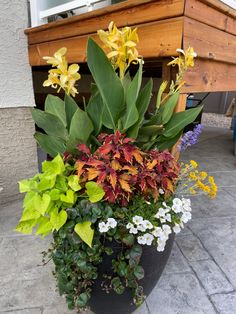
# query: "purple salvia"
{"points": [[190, 138]]}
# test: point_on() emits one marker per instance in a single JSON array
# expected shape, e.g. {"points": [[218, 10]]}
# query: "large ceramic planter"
{"points": [[153, 263]]}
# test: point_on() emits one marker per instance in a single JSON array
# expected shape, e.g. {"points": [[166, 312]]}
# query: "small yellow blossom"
{"points": [[121, 45], [63, 76], [193, 163]]}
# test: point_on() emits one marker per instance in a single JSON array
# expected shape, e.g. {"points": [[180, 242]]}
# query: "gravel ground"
{"points": [[216, 120]]}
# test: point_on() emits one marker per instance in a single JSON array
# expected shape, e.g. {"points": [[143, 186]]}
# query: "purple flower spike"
{"points": [[190, 138]]}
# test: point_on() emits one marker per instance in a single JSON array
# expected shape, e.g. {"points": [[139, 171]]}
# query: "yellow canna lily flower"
{"points": [[121, 46], [63, 77]]}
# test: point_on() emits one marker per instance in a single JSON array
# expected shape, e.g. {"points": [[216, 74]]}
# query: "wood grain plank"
{"points": [[159, 39], [209, 42], [210, 76], [209, 15], [86, 24]]}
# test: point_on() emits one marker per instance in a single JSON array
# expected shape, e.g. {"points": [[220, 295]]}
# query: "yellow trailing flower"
{"points": [[121, 46], [193, 163], [64, 76]]}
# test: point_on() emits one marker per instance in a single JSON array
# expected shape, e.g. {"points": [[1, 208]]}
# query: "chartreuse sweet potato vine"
{"points": [[49, 194]]}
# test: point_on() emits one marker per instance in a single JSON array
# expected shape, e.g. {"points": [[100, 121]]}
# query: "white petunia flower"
{"points": [[129, 225], [168, 217], [161, 245], [157, 232], [176, 228], [186, 217], [161, 213], [166, 229], [147, 224], [103, 227], [149, 238], [137, 220], [111, 222], [162, 220], [161, 191], [177, 209], [141, 228], [186, 202], [141, 240], [133, 230], [177, 201]]}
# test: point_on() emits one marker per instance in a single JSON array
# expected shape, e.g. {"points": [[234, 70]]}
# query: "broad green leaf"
{"points": [[81, 127], [50, 123], [70, 109], [131, 114], [179, 120], [26, 227], [50, 144], [139, 272], [56, 106], [73, 182], [167, 109], [108, 83], [45, 226], [167, 143], [27, 185], [95, 109], [69, 197], [61, 183], [95, 192], [151, 130], [85, 232], [29, 214], [58, 219], [142, 104], [29, 199], [82, 299], [41, 204], [55, 194]]}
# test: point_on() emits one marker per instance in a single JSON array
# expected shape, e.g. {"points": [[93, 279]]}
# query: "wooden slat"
{"points": [[210, 76], [209, 42], [140, 12], [159, 39], [209, 15], [220, 6]]}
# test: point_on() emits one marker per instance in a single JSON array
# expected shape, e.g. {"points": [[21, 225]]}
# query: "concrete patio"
{"points": [[200, 276]]}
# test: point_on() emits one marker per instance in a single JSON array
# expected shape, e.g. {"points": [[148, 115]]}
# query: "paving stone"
{"points": [[225, 303], [192, 248], [223, 205], [210, 164], [218, 236], [176, 262], [224, 179], [231, 191], [21, 257], [179, 294], [211, 277], [61, 309], [24, 311]]}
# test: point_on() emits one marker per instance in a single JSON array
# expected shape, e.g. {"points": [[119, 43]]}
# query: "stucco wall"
{"points": [[16, 78], [18, 158]]}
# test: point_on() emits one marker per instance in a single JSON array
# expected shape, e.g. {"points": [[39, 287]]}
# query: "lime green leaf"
{"points": [[29, 199], [73, 182], [58, 219], [30, 214], [56, 106], [108, 83], [27, 185], [69, 197], [51, 124], [55, 194], [95, 192], [41, 204], [46, 182], [54, 167], [80, 129], [85, 232], [61, 183], [50, 144], [179, 120], [26, 227], [70, 108], [45, 226]]}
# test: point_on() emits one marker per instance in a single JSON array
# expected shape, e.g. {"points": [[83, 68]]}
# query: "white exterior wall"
{"points": [[16, 79]]}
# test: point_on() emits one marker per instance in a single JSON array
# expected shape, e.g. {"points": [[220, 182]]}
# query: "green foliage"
{"points": [[48, 196]]}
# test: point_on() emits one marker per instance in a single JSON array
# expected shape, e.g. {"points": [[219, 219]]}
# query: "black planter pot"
{"points": [[153, 263]]}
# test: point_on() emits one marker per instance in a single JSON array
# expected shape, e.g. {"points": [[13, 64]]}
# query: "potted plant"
{"points": [[112, 196]]}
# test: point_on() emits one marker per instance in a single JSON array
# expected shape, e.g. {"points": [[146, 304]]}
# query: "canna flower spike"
{"points": [[64, 76], [121, 46]]}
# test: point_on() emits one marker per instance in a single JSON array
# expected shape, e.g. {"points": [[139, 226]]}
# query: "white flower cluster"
{"points": [[147, 233], [106, 226]]}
